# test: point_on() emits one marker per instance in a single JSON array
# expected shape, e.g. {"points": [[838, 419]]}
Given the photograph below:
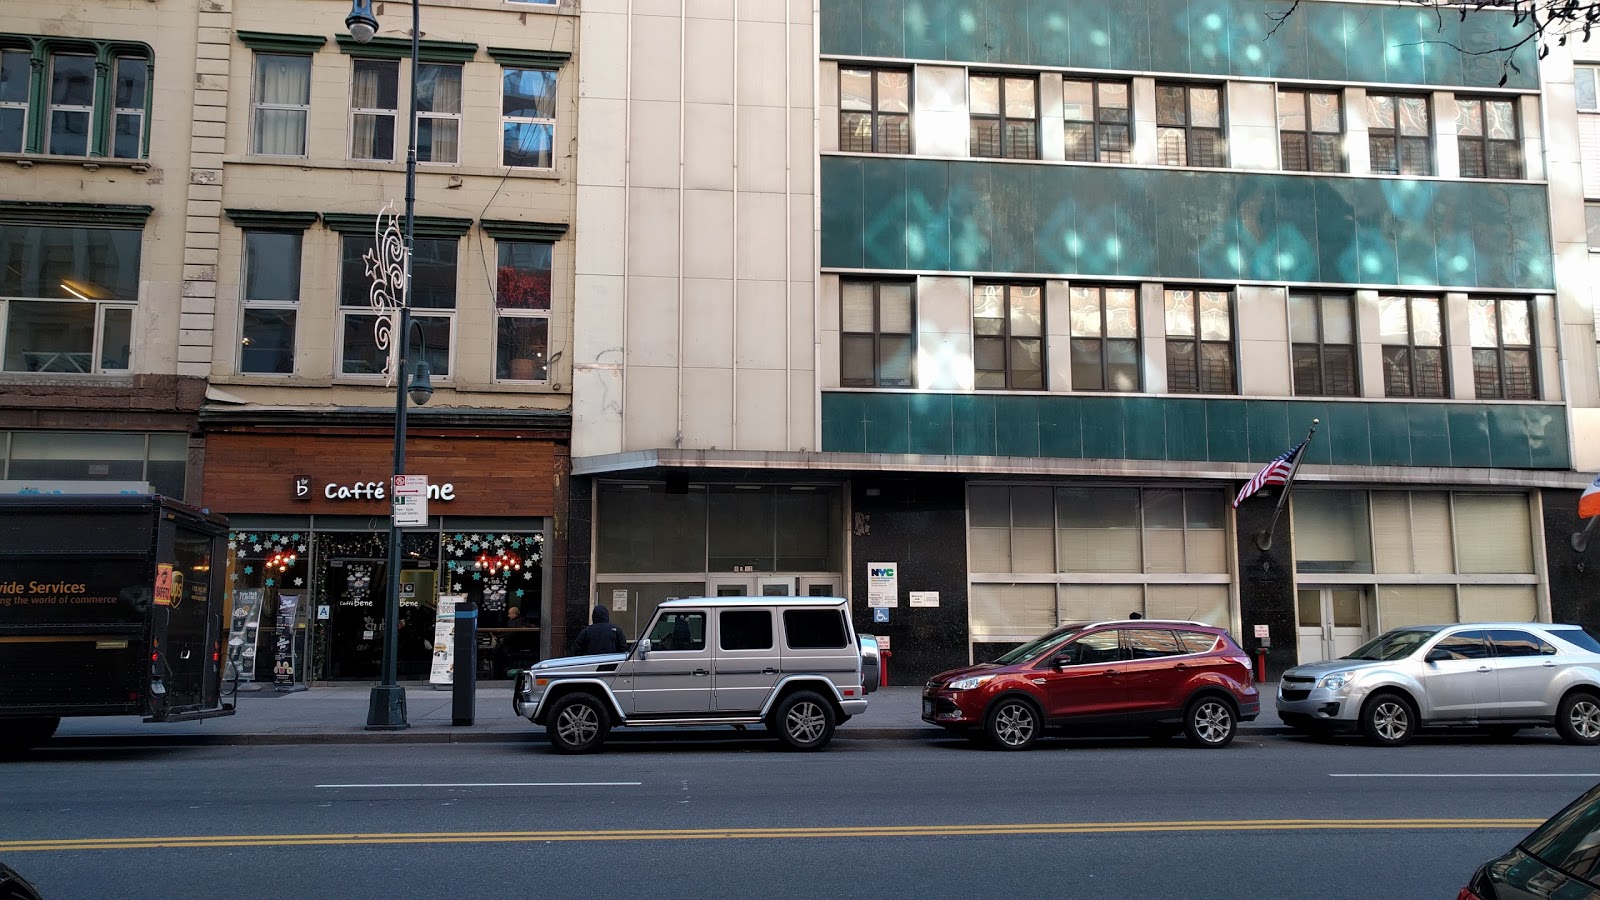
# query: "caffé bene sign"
{"points": [[368, 491]]}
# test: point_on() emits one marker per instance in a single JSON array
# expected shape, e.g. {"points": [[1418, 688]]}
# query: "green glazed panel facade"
{"points": [[1193, 429], [1338, 42], [975, 216]]}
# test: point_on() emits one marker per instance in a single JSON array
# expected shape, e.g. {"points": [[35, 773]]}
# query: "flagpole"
{"points": [[1264, 538], [1580, 539]]}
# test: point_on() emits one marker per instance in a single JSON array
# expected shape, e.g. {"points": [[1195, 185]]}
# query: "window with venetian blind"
{"points": [[1330, 529], [1415, 534], [1041, 530]]}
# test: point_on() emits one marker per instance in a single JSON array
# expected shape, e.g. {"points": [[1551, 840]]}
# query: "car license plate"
{"points": [[927, 707]]}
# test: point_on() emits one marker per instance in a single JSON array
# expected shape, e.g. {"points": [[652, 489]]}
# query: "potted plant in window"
{"points": [[523, 338]]}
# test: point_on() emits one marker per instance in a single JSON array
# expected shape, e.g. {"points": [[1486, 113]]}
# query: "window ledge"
{"points": [[92, 163], [72, 379], [516, 387], [423, 169], [854, 154], [559, 8]]}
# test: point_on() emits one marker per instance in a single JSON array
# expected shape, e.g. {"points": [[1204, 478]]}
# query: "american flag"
{"points": [[1275, 472]]}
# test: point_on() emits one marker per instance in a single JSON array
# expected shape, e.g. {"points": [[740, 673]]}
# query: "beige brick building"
{"points": [[186, 308]]}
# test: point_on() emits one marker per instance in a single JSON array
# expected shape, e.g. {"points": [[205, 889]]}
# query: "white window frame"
{"points": [[375, 112], [343, 314], [27, 93], [1590, 72], [51, 107], [455, 116], [96, 347], [526, 120], [117, 112], [256, 107], [246, 303], [525, 314]]}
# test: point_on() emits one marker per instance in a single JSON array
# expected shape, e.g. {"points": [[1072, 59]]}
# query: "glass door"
{"points": [[826, 586], [777, 585], [731, 586], [1333, 621]]}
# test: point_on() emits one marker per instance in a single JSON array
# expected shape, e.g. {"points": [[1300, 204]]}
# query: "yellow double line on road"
{"points": [[745, 834]]}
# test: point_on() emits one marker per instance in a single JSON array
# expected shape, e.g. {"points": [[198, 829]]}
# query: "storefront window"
{"points": [[646, 528], [158, 460], [267, 577]]}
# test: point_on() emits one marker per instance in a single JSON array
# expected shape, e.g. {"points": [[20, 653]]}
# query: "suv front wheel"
{"points": [[578, 723], [1388, 720], [1012, 724], [803, 720]]}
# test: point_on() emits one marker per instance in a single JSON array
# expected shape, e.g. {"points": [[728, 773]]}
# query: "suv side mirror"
{"points": [[1438, 655], [643, 647], [1064, 659]]}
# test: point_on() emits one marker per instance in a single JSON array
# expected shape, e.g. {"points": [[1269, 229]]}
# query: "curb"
{"points": [[533, 735]]}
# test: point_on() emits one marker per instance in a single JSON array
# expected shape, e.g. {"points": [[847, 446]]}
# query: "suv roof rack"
{"points": [[1154, 622]]}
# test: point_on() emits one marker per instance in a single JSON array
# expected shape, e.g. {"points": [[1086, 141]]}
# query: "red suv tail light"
{"points": [[1467, 894]]}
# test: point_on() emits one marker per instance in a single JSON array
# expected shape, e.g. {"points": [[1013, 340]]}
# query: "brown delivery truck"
{"points": [[109, 605]]}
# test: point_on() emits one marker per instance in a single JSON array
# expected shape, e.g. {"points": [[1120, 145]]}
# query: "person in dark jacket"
{"points": [[601, 636]]}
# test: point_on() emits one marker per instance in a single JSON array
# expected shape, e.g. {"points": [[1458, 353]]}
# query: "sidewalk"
{"points": [[337, 715]]}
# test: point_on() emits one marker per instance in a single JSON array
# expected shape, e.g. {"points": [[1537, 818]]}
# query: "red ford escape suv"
{"points": [[1141, 675]]}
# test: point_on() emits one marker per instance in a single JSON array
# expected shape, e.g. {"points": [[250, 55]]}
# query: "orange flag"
{"points": [[1589, 503]]}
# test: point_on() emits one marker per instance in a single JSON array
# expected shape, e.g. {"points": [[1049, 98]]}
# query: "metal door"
{"points": [[827, 586], [1333, 621], [1090, 684], [1458, 688], [676, 676], [1524, 667], [730, 586], [777, 585], [746, 663]]}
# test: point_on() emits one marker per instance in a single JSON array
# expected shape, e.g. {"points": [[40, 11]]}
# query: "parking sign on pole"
{"points": [[409, 500]]}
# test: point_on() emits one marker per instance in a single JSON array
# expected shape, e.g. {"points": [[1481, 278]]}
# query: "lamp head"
{"points": [[361, 22], [421, 389]]}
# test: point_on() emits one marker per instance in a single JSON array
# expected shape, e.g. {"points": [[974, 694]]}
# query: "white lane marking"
{"points": [[1476, 775], [494, 784]]}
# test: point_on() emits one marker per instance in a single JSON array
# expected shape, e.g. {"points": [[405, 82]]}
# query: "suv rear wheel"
{"points": [[804, 720], [1012, 724], [578, 723], [1209, 722], [1578, 718]]}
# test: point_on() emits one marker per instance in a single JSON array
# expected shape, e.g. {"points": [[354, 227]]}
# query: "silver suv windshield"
{"points": [[1392, 645]]}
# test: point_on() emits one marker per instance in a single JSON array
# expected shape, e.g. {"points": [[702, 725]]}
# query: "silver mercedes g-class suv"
{"points": [[793, 664]]}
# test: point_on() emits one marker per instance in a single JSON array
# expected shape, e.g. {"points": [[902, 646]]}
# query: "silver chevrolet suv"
{"points": [[793, 664], [1500, 676]]}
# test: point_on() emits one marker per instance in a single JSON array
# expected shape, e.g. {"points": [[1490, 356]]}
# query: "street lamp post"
{"points": [[386, 708]]}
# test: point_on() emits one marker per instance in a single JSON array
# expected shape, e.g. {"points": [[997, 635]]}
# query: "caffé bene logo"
{"points": [[363, 490]]}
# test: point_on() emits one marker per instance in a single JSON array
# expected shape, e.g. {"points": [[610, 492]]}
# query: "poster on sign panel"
{"points": [[883, 585], [444, 640]]}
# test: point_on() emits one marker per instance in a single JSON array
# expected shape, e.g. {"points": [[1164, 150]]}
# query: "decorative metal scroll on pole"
{"points": [[387, 265]]}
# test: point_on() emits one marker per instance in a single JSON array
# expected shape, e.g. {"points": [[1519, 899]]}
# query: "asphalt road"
{"points": [[1271, 816]]}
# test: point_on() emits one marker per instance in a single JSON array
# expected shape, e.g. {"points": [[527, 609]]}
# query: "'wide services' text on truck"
{"points": [[109, 605]]}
